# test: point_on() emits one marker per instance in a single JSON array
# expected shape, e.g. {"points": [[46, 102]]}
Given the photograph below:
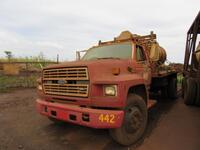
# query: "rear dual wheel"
{"points": [[197, 101], [183, 87], [134, 123], [172, 88], [191, 92], [164, 93], [170, 91]]}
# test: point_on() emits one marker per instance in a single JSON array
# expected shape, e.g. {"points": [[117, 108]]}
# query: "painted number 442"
{"points": [[109, 118]]}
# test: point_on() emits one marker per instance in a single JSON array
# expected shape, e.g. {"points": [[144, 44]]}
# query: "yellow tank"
{"points": [[198, 53], [157, 53]]}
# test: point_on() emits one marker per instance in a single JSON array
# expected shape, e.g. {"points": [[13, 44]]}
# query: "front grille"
{"points": [[66, 82], [79, 73]]}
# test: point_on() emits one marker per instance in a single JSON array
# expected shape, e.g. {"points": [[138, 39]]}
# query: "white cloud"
{"points": [[62, 27]]}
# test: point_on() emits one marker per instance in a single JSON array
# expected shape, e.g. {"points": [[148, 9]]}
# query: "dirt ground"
{"points": [[172, 126]]}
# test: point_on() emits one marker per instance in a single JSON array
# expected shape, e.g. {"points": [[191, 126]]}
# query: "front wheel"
{"points": [[134, 123]]}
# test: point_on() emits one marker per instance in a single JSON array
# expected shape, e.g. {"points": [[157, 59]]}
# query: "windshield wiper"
{"points": [[109, 58]]}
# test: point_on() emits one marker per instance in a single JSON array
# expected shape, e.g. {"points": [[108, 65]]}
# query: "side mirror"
{"points": [[79, 54]]}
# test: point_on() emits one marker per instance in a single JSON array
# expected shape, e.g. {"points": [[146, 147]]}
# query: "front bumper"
{"points": [[95, 118]]}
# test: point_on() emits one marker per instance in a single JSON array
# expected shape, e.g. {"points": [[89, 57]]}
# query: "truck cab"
{"points": [[107, 88]]}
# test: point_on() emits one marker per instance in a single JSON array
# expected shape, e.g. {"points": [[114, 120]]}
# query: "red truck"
{"points": [[109, 86]]}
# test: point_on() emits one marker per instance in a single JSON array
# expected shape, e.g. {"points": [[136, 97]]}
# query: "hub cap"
{"points": [[134, 119]]}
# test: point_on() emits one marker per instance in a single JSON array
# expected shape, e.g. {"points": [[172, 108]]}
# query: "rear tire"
{"points": [[164, 92], [134, 123], [172, 88], [190, 90], [197, 101], [183, 84]]}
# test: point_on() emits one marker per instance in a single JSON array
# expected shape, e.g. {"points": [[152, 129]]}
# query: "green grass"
{"points": [[8, 82], [180, 79], [39, 58]]}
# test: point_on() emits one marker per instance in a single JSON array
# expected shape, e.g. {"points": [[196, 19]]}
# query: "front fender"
{"points": [[124, 83]]}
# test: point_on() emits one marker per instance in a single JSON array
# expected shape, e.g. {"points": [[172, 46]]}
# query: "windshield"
{"points": [[118, 51]]}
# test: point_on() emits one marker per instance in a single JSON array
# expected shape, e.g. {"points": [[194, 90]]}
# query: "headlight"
{"points": [[39, 87], [110, 90]]}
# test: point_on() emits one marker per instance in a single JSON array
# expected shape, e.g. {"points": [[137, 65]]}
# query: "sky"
{"points": [[28, 27]]}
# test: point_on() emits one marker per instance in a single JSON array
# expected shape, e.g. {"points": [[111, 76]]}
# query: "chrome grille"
{"points": [[66, 74], [66, 82]]}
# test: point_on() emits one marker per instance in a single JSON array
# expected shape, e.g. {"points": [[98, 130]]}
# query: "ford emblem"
{"points": [[61, 82]]}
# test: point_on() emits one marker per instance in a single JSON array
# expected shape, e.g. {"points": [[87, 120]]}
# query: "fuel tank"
{"points": [[157, 53]]}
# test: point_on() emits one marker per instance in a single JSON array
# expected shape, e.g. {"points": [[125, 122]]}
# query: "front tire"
{"points": [[134, 123]]}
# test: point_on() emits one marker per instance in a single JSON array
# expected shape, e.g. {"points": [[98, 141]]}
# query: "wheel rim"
{"points": [[134, 119]]}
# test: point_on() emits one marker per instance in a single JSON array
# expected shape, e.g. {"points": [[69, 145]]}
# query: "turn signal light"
{"points": [[116, 71]]}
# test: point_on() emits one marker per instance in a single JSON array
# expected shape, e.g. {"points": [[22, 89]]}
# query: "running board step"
{"points": [[151, 103]]}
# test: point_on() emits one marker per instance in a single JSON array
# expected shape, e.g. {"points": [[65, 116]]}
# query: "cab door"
{"points": [[142, 64]]}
